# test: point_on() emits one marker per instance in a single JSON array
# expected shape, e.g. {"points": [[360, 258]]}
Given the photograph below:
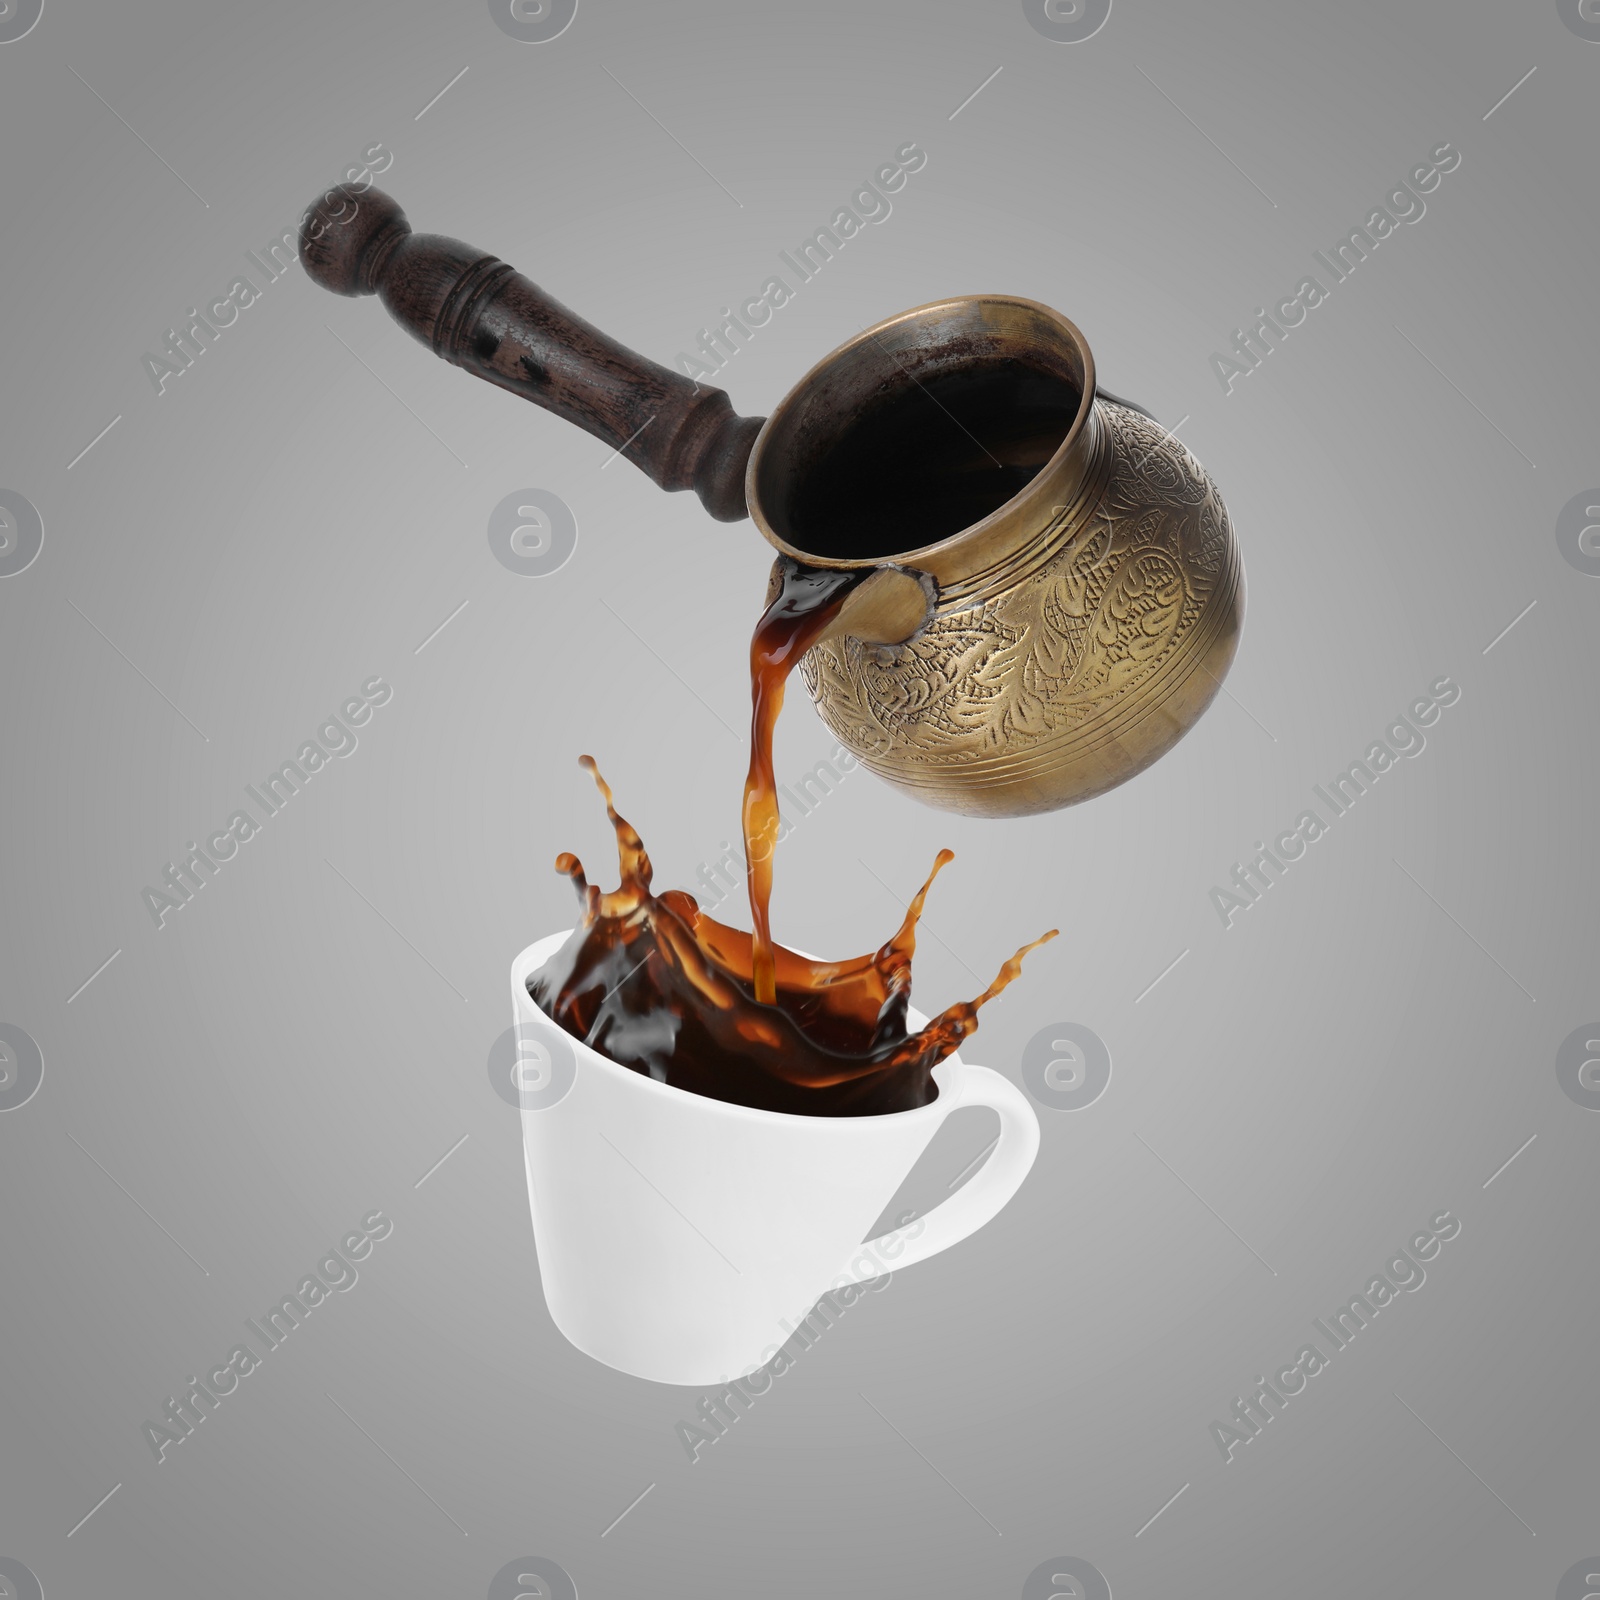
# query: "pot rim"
{"points": [[1046, 481]]}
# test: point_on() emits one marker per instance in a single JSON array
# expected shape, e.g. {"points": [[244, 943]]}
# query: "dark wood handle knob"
{"points": [[483, 315]]}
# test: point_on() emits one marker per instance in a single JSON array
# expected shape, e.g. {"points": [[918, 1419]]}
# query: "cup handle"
{"points": [[983, 1196]]}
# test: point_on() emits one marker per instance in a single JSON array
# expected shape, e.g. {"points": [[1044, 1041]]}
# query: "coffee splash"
{"points": [[655, 984]]}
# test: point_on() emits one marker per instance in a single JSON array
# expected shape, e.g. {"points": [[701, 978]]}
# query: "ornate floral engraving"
{"points": [[1062, 644]]}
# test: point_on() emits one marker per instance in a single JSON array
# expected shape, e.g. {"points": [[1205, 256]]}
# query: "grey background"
{"points": [[302, 1043]]}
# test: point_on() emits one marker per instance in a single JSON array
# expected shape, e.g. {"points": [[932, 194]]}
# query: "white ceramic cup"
{"points": [[682, 1239]]}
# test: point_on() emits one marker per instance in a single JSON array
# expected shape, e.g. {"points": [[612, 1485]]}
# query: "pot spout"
{"points": [[888, 608]]}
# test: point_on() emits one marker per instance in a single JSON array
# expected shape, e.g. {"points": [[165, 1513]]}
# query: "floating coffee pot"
{"points": [[1058, 593]]}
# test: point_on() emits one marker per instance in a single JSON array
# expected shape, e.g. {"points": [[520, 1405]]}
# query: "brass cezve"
{"points": [[1035, 658]]}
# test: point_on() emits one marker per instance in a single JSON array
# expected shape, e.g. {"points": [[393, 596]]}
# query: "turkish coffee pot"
{"points": [[1055, 590]]}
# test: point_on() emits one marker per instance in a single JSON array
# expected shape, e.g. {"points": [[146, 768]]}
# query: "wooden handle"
{"points": [[483, 315]]}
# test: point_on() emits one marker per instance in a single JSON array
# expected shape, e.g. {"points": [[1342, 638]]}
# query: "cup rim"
{"points": [[946, 1075], [928, 554]]}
